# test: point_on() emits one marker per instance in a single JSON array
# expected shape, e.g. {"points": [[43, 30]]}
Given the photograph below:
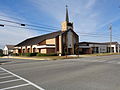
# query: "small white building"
{"points": [[93, 47], [8, 49]]}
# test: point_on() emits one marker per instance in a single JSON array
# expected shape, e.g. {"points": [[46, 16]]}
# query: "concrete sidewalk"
{"points": [[60, 57], [41, 58]]}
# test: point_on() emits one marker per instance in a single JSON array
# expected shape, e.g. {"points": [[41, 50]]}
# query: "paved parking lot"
{"points": [[11, 81], [91, 73]]}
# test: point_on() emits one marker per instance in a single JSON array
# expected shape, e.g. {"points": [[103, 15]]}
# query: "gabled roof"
{"points": [[70, 30], [10, 46], [36, 40]]}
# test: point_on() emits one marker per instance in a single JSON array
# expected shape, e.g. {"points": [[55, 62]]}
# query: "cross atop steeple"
{"points": [[66, 25], [67, 17]]}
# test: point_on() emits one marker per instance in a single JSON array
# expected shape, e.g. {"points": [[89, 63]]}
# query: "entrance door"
{"points": [[69, 51]]}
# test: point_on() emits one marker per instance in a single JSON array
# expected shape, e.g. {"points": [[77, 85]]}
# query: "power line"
{"points": [[97, 36], [85, 34], [11, 17], [23, 23], [43, 29], [100, 34], [40, 26], [36, 26], [11, 21], [91, 33], [81, 34], [27, 28]]}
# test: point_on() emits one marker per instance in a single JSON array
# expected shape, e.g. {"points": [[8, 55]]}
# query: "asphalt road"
{"points": [[91, 73]]}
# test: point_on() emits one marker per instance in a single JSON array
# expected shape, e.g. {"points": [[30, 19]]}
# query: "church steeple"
{"points": [[66, 25], [67, 17]]}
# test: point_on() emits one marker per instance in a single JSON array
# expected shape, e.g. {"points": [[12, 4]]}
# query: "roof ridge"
{"points": [[37, 39], [42, 35]]}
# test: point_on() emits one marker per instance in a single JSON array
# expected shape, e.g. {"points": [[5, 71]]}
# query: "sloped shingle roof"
{"points": [[10, 46], [36, 40]]}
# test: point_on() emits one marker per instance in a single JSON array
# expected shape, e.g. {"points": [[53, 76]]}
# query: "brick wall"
{"points": [[50, 50]]}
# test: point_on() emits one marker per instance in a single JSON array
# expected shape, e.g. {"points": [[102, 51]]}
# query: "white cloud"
{"points": [[108, 22], [12, 35], [90, 4], [82, 17], [86, 18], [80, 12]]}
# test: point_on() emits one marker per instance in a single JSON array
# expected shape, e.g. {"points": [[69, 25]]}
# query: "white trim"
{"points": [[84, 47], [34, 46], [28, 47], [45, 46], [17, 47], [23, 47]]}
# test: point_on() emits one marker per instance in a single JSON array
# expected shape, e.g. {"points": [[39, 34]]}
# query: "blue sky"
{"points": [[89, 17]]}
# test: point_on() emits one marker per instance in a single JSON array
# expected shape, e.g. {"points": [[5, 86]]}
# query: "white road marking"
{"points": [[15, 86], [4, 73], [7, 76], [10, 81], [118, 62], [111, 62], [102, 60], [94, 60], [90, 60], [29, 82]]}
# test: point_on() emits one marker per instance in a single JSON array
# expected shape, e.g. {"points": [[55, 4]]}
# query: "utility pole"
{"points": [[110, 28]]}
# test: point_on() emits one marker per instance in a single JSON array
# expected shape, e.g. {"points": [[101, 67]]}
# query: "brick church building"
{"points": [[60, 42]]}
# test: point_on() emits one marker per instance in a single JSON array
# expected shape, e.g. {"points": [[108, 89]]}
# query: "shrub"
{"points": [[15, 54], [52, 54], [30, 54], [1, 55], [34, 54], [22, 54]]}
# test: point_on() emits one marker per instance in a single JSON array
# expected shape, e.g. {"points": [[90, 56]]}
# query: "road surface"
{"points": [[90, 73]]}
